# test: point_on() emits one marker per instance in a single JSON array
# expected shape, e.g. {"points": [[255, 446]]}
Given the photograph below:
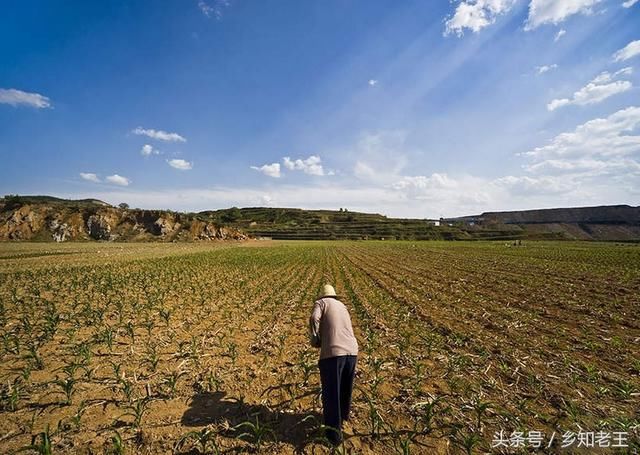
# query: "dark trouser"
{"points": [[336, 375]]}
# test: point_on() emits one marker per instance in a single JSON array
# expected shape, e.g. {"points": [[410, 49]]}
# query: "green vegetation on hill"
{"points": [[298, 224], [586, 223], [13, 201]]}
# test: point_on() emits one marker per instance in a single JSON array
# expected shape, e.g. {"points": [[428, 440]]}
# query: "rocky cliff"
{"points": [[50, 219]]}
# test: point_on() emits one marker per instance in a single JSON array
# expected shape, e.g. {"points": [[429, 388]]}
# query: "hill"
{"points": [[46, 218], [620, 223], [607, 222], [299, 224]]}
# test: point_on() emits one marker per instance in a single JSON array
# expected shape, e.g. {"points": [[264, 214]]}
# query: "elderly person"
{"points": [[330, 330]]}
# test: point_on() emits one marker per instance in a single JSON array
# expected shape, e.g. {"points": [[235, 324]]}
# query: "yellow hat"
{"points": [[327, 291]]}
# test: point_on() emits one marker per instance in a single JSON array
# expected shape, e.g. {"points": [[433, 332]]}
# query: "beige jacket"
{"points": [[330, 329]]}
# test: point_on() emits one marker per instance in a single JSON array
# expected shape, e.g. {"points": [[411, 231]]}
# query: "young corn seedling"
{"points": [[10, 343], [625, 389], [40, 443], [89, 372], [480, 408], [131, 331], [76, 419], [127, 388], [375, 420], [117, 370], [68, 388], [171, 382], [165, 315], [232, 352], [403, 439], [255, 433], [71, 368], [83, 351], [194, 351], [152, 358], [117, 445], [34, 358], [427, 411], [149, 324], [51, 321], [467, 440], [10, 395], [26, 326], [137, 410], [25, 373], [205, 440], [307, 369], [108, 336]]}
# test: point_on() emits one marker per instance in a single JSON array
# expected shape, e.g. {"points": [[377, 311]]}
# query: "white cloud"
{"points": [[475, 15], [630, 50], [559, 35], [90, 176], [148, 150], [598, 161], [373, 82], [213, 8], [626, 71], [159, 135], [311, 165], [600, 88], [544, 68], [270, 170], [421, 182], [555, 104], [16, 97], [118, 180], [600, 138], [629, 3], [527, 185], [556, 11], [586, 166], [205, 8], [423, 187], [439, 190], [181, 164]]}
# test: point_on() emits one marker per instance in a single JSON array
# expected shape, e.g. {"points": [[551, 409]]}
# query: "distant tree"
{"points": [[124, 206], [13, 201], [340, 209]]}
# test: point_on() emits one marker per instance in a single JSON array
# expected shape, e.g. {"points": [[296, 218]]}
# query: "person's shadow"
{"points": [[297, 429]]}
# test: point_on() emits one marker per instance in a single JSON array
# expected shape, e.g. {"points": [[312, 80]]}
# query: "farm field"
{"points": [[194, 348]]}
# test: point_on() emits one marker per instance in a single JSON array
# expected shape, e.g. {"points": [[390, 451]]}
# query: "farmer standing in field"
{"points": [[330, 330]]}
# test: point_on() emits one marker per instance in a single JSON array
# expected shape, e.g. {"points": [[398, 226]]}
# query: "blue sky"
{"points": [[412, 108]]}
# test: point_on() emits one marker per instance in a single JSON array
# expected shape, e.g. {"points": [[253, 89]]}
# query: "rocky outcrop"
{"points": [[21, 224], [165, 226], [60, 231], [99, 228], [91, 221], [207, 231]]}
